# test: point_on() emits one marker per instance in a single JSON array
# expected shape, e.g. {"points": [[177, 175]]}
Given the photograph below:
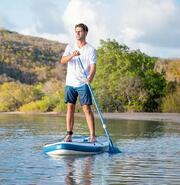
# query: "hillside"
{"points": [[32, 79], [29, 59], [171, 69]]}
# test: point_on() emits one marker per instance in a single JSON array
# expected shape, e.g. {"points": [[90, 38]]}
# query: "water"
{"points": [[150, 153]]}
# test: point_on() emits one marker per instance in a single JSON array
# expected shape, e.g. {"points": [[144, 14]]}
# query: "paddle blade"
{"points": [[114, 150]]}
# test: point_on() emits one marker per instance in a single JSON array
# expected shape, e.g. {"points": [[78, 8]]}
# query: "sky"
{"points": [[153, 26]]}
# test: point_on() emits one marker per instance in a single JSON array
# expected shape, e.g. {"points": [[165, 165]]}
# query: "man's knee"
{"points": [[70, 107], [87, 109]]}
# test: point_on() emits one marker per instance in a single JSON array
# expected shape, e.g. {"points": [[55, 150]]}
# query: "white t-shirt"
{"points": [[75, 76]]}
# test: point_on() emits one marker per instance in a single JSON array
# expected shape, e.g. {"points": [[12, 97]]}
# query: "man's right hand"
{"points": [[66, 59], [75, 53]]}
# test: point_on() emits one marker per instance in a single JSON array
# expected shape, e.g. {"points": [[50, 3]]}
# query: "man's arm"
{"points": [[66, 59], [92, 73]]}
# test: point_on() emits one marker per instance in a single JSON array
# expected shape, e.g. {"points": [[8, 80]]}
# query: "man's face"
{"points": [[80, 33]]}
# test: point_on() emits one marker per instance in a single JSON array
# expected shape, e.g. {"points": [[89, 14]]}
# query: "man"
{"points": [[76, 84]]}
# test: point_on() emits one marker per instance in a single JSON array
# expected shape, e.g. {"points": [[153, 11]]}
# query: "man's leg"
{"points": [[90, 121], [69, 121], [70, 116], [70, 99]]}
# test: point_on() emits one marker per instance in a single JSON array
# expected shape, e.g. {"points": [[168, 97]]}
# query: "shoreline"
{"points": [[167, 117]]}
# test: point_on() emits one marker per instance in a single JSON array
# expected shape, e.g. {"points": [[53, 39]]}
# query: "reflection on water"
{"points": [[150, 153], [132, 129], [74, 168]]}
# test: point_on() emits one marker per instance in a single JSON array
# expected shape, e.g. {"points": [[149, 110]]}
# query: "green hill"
{"points": [[29, 59]]}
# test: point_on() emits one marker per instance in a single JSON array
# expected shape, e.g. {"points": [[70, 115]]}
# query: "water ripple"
{"points": [[147, 157]]}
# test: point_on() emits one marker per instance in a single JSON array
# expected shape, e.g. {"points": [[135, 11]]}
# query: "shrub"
{"points": [[171, 103], [13, 95]]}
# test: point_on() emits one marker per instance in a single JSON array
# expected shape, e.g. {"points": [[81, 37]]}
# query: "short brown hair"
{"points": [[83, 26]]}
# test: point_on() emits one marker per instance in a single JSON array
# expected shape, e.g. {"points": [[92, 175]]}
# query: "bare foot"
{"points": [[92, 139]]}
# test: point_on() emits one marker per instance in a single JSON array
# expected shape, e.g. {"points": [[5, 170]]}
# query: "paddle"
{"points": [[112, 148]]}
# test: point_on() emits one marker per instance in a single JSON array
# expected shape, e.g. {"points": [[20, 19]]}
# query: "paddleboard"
{"points": [[78, 146]]}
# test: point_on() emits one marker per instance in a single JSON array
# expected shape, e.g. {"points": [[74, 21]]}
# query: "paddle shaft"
{"points": [[97, 107]]}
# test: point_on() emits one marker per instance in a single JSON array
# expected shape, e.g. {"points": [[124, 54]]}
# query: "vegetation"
{"points": [[171, 70], [52, 98], [32, 98], [126, 80], [32, 80], [28, 59]]}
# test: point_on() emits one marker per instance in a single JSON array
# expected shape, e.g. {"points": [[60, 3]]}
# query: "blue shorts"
{"points": [[71, 94]]}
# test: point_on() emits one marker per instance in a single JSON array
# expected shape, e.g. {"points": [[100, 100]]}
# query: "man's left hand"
{"points": [[89, 80]]}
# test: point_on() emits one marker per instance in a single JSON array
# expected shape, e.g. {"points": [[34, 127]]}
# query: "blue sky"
{"points": [[152, 25]]}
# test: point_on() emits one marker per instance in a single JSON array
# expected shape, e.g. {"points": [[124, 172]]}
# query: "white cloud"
{"points": [[139, 24], [152, 25], [55, 37], [47, 16], [47, 21], [83, 11]]}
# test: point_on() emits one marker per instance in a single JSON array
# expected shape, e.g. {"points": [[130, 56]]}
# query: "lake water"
{"points": [[150, 153]]}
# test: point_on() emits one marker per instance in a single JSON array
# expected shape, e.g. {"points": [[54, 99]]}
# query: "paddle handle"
{"points": [[96, 105]]}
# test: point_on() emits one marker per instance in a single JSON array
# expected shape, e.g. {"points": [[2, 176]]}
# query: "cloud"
{"points": [[152, 26], [33, 30], [160, 24], [47, 16], [47, 22], [96, 14], [154, 23]]}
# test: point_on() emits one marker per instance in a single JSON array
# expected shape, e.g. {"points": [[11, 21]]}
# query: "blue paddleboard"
{"points": [[79, 145]]}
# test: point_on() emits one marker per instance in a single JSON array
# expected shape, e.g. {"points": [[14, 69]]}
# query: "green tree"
{"points": [[110, 65], [126, 80], [154, 84]]}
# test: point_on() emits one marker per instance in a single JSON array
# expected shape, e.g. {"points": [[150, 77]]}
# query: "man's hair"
{"points": [[83, 26]]}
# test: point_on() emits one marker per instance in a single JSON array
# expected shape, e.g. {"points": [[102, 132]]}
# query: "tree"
{"points": [[126, 80]]}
